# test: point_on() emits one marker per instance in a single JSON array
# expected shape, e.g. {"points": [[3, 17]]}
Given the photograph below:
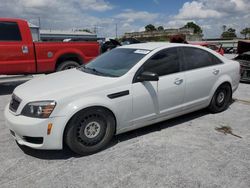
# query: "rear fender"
{"points": [[66, 51], [220, 81]]}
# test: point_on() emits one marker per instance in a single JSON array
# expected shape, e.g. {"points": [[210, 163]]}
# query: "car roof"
{"points": [[153, 45], [202, 43]]}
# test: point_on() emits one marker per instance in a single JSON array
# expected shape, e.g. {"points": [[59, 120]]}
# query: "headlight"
{"points": [[39, 109]]}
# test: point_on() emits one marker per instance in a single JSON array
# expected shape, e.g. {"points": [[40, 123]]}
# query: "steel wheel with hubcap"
{"points": [[221, 99], [90, 130]]}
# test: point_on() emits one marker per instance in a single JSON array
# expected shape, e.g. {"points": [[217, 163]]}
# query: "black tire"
{"points": [[67, 65], [81, 134], [221, 99]]}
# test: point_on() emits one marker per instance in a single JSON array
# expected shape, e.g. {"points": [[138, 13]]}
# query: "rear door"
{"points": [[16, 52], [202, 69]]}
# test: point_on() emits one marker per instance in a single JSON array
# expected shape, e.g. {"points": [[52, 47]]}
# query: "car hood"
{"points": [[62, 84]]}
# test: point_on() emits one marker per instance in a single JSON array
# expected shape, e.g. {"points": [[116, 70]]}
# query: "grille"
{"points": [[14, 103], [33, 140]]}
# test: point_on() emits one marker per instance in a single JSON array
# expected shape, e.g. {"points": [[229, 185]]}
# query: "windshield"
{"points": [[115, 63]]}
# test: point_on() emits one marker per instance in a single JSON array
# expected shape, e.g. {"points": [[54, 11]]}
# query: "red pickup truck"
{"points": [[20, 55]]}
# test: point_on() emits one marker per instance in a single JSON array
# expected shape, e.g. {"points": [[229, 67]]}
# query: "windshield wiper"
{"points": [[93, 70]]}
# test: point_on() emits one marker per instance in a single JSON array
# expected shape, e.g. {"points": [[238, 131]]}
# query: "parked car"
{"points": [[124, 89], [112, 43], [109, 45], [230, 50], [20, 55], [216, 47], [128, 41], [244, 60]]}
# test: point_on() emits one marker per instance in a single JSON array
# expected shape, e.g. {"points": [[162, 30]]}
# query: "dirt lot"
{"points": [[183, 152]]}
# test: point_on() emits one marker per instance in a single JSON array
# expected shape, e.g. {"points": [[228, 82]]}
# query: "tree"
{"points": [[224, 27], [197, 28], [160, 28], [229, 34], [245, 32], [150, 27], [84, 30], [231, 30]]}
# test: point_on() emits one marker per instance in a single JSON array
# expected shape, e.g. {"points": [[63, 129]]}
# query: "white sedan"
{"points": [[124, 89]]}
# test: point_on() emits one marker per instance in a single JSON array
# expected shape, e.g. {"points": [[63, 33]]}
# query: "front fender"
{"points": [[120, 107], [75, 106]]}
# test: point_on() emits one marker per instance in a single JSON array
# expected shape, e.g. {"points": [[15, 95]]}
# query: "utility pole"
{"points": [[39, 24], [116, 30], [95, 29]]}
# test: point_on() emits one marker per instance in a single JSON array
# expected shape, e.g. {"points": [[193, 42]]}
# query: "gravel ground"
{"points": [[182, 152]]}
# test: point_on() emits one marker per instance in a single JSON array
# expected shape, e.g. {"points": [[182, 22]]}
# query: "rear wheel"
{"points": [[67, 65], [221, 99], [90, 130]]}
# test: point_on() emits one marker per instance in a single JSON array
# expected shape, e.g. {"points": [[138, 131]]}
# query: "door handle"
{"points": [[25, 49], [216, 71], [178, 81]]}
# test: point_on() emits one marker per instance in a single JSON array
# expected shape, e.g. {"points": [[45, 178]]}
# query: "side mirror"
{"points": [[147, 76]]}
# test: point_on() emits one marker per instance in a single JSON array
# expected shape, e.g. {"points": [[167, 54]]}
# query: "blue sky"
{"points": [[131, 15], [158, 6]]}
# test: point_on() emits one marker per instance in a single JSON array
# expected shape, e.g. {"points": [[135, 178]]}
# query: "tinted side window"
{"points": [[215, 60], [164, 62], [9, 31], [197, 58]]}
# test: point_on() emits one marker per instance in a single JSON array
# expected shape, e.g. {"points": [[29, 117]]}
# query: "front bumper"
{"points": [[32, 132]]}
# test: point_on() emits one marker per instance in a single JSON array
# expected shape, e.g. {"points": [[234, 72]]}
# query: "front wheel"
{"points": [[67, 65], [90, 130], [221, 99]]}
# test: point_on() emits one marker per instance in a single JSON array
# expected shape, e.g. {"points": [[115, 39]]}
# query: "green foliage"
{"points": [[231, 30], [197, 28], [84, 30], [160, 28], [224, 27], [246, 32], [150, 27], [229, 34]]}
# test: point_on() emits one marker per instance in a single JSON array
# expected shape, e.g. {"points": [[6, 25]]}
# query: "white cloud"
{"points": [[132, 16], [35, 3], [156, 2], [63, 14], [97, 5], [70, 14], [194, 10], [229, 6], [212, 14]]}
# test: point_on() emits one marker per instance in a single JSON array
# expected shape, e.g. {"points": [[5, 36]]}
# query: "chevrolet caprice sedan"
{"points": [[124, 89]]}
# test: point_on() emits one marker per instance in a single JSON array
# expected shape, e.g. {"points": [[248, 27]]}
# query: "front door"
{"points": [[154, 99]]}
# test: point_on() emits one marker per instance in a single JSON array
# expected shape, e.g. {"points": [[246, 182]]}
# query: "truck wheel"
{"points": [[67, 65], [221, 99], [90, 130]]}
